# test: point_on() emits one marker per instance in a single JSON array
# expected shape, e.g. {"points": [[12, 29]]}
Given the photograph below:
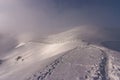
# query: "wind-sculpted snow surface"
{"points": [[78, 64], [73, 66], [60, 57]]}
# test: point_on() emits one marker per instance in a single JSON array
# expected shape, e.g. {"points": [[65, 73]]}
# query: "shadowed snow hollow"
{"points": [[64, 56]]}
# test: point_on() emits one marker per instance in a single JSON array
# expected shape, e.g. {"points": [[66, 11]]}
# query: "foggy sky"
{"points": [[49, 16], [43, 17]]}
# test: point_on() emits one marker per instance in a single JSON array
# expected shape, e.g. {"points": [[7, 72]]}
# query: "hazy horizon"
{"points": [[24, 18]]}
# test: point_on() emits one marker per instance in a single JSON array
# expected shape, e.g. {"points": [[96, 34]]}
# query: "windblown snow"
{"points": [[64, 56]]}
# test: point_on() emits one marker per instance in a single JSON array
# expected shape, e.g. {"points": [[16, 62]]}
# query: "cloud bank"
{"points": [[21, 19]]}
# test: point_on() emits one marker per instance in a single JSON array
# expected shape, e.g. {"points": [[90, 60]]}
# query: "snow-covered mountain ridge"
{"points": [[64, 56]]}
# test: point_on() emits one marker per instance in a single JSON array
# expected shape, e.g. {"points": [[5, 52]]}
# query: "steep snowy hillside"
{"points": [[63, 56]]}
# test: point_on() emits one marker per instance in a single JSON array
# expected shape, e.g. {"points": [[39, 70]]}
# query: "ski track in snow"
{"points": [[49, 69], [99, 72], [104, 71]]}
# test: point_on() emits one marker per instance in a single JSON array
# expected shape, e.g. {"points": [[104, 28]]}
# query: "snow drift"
{"points": [[64, 56]]}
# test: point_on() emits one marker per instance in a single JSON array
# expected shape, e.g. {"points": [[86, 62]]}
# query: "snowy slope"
{"points": [[64, 56]]}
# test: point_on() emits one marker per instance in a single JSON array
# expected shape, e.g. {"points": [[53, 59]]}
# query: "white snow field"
{"points": [[63, 56]]}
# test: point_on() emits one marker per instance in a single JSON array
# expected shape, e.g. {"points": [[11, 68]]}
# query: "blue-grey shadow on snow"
{"points": [[114, 45]]}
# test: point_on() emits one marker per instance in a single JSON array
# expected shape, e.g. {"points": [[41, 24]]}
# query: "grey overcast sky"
{"points": [[42, 17], [51, 16]]}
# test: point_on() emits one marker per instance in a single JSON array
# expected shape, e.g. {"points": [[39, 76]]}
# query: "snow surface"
{"points": [[62, 56]]}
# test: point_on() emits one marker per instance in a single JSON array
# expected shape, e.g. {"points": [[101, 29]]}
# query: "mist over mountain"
{"points": [[59, 40], [66, 55], [48, 17]]}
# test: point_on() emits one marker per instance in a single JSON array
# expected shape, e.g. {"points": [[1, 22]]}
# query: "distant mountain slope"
{"points": [[64, 56]]}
